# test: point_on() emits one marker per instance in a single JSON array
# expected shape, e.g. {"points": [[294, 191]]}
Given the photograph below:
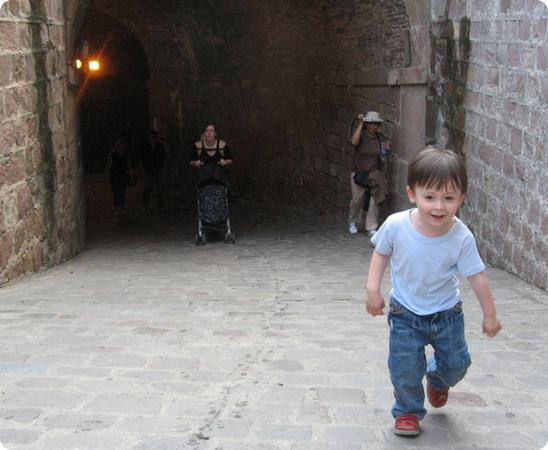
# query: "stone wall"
{"points": [[40, 191], [489, 92]]}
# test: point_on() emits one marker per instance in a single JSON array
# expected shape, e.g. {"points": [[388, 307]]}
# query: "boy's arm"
{"points": [[375, 301], [480, 284]]}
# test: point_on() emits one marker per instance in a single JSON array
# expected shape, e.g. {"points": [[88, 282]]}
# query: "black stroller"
{"points": [[212, 205]]}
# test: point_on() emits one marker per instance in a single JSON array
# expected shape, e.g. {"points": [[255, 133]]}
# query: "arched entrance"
{"points": [[282, 85], [114, 98]]}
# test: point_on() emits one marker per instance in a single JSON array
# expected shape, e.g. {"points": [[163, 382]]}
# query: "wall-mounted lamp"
{"points": [[78, 63], [94, 65]]}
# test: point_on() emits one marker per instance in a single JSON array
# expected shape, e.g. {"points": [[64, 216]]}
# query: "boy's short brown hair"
{"points": [[436, 168]]}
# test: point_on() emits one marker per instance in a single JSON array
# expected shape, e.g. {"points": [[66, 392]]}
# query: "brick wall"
{"points": [[490, 90], [40, 219]]}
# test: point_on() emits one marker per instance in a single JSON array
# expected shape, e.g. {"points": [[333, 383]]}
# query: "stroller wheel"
{"points": [[200, 240], [230, 238]]}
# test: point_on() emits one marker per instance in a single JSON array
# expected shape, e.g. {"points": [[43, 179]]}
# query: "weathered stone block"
{"points": [[508, 166], [11, 102], [12, 169], [5, 70], [511, 30], [25, 9], [542, 58], [539, 29], [6, 248], [24, 39], [524, 29], [8, 36], [516, 140]]}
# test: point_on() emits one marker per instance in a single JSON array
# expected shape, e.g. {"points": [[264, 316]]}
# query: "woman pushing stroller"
{"points": [[211, 155]]}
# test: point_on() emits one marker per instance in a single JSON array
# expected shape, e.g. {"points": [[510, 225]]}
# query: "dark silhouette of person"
{"points": [[153, 164], [119, 174]]}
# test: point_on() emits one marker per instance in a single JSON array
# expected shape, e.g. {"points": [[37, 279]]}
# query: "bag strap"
{"points": [[379, 162], [220, 150], [199, 150]]}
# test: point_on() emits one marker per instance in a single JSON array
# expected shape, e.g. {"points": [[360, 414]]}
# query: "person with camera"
{"points": [[367, 182]]}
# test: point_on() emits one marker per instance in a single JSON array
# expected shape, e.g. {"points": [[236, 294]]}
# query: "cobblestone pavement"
{"points": [[146, 341]]}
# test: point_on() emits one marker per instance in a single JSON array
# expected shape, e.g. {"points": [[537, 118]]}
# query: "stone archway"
{"points": [[283, 84], [227, 64], [274, 80]]}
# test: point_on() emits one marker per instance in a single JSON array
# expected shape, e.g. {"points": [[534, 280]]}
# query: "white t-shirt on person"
{"points": [[423, 268]]}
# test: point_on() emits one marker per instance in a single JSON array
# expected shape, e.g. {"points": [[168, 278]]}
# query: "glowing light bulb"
{"points": [[94, 65]]}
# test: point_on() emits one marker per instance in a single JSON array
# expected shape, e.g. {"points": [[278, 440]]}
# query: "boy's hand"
{"points": [[491, 326], [375, 304]]}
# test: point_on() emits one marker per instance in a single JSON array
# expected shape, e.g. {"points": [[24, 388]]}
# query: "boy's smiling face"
{"points": [[436, 208]]}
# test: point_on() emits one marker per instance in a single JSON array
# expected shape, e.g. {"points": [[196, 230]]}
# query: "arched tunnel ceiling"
{"points": [[199, 37]]}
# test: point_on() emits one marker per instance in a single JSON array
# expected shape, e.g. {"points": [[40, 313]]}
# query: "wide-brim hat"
{"points": [[373, 116]]}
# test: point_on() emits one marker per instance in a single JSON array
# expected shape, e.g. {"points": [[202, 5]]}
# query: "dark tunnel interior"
{"points": [[270, 76], [114, 99]]}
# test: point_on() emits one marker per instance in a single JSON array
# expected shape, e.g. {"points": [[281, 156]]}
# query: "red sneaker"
{"points": [[437, 397], [407, 425]]}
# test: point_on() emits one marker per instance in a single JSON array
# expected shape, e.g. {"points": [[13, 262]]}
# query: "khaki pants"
{"points": [[356, 207]]}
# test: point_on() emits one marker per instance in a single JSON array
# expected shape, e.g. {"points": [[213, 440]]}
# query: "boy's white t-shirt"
{"points": [[423, 268]]}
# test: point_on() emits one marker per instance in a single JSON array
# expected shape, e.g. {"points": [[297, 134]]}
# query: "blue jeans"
{"points": [[409, 334]]}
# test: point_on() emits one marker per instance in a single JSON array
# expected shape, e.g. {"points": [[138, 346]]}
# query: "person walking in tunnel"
{"points": [[427, 246], [211, 155], [367, 181], [153, 164], [119, 173]]}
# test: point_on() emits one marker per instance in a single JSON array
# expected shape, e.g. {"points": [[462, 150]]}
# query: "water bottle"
{"points": [[385, 151]]}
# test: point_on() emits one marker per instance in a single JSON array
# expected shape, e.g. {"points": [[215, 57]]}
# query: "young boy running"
{"points": [[427, 246]]}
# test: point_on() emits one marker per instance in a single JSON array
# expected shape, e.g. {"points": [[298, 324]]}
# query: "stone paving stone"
{"points": [[271, 349], [191, 408], [47, 398], [80, 422], [163, 443], [173, 363], [314, 413], [263, 412], [283, 432], [121, 360], [97, 440], [350, 434], [341, 395], [327, 446], [134, 404], [154, 424], [19, 415], [216, 444], [150, 375], [227, 428], [83, 372], [43, 383], [19, 437]]}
